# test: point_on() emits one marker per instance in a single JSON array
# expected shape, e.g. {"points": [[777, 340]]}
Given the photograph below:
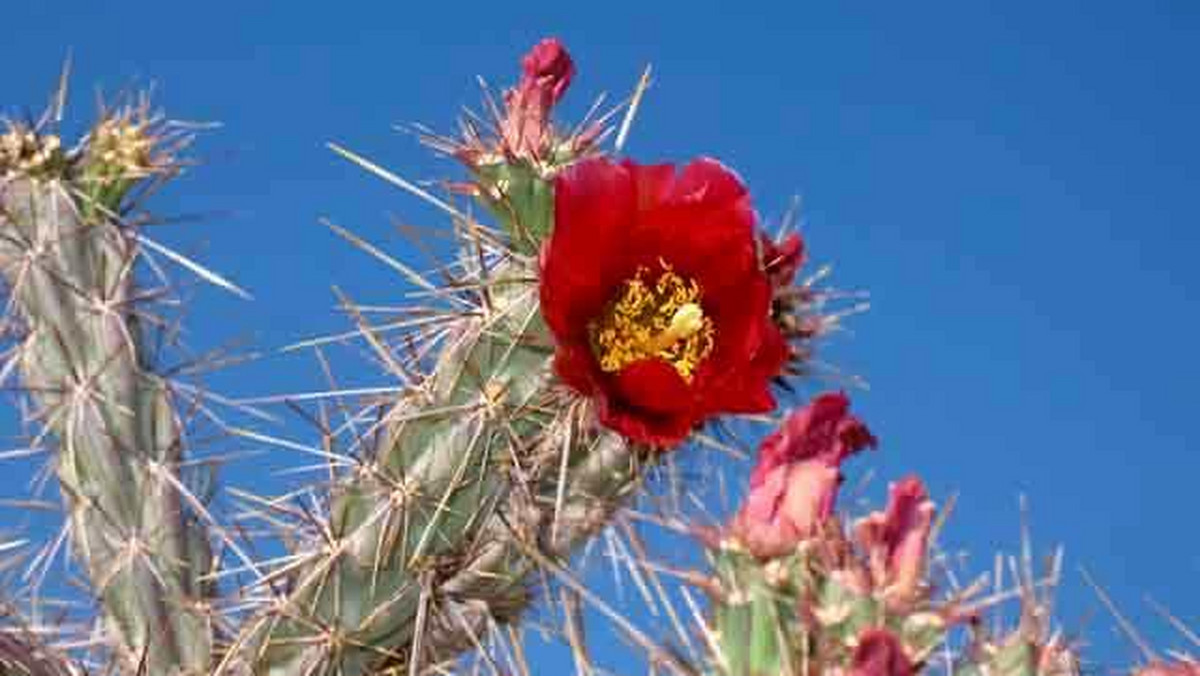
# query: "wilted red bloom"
{"points": [[782, 259], [547, 72], [879, 653], [794, 485], [652, 287], [823, 430], [896, 540]]}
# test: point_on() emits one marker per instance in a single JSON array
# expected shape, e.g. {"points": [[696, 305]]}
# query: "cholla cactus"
{"points": [[616, 309], [68, 259]]}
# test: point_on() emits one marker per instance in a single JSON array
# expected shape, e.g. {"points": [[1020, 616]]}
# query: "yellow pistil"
{"points": [[647, 319]]}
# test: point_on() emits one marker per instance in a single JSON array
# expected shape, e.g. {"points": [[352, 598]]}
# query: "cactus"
{"points": [[68, 256], [613, 311], [430, 530]]}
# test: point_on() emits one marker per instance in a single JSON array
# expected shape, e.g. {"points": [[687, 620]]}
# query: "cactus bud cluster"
{"points": [[794, 592]]}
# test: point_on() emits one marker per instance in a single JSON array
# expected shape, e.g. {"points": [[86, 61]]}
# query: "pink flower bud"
{"points": [[879, 653], [822, 430], [794, 486], [896, 540], [789, 506], [547, 72]]}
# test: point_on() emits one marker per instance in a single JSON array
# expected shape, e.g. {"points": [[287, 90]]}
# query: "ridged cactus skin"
{"points": [[69, 263]]}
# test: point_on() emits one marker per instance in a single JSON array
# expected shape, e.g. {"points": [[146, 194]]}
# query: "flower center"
{"points": [[647, 319]]}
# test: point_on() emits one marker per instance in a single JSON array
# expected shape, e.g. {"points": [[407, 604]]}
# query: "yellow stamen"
{"points": [[662, 319]]}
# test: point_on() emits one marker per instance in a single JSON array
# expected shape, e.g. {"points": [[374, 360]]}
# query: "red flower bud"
{"points": [[788, 506], [794, 486], [896, 540], [879, 653], [547, 72], [824, 430]]}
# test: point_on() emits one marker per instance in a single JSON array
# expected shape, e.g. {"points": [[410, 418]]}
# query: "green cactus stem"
{"points": [[486, 459], [69, 266]]}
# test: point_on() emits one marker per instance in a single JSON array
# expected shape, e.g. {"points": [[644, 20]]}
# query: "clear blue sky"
{"points": [[1014, 183]]}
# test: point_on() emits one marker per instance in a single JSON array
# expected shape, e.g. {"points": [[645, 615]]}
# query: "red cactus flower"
{"points": [[653, 289], [547, 72], [879, 653], [896, 540], [794, 486]]}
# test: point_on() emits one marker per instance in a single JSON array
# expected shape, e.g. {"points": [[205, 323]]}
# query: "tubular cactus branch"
{"points": [[69, 265]]}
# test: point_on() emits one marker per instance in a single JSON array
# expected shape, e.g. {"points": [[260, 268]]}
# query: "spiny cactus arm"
{"points": [[69, 263], [432, 527], [495, 582]]}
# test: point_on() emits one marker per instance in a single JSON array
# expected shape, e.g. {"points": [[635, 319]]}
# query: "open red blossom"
{"points": [[652, 286]]}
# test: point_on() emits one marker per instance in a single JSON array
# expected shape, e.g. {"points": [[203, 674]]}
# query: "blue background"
{"points": [[1014, 183]]}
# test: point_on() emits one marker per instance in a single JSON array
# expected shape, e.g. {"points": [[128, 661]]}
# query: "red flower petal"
{"points": [[653, 183], [654, 386], [707, 180], [577, 367], [585, 260]]}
